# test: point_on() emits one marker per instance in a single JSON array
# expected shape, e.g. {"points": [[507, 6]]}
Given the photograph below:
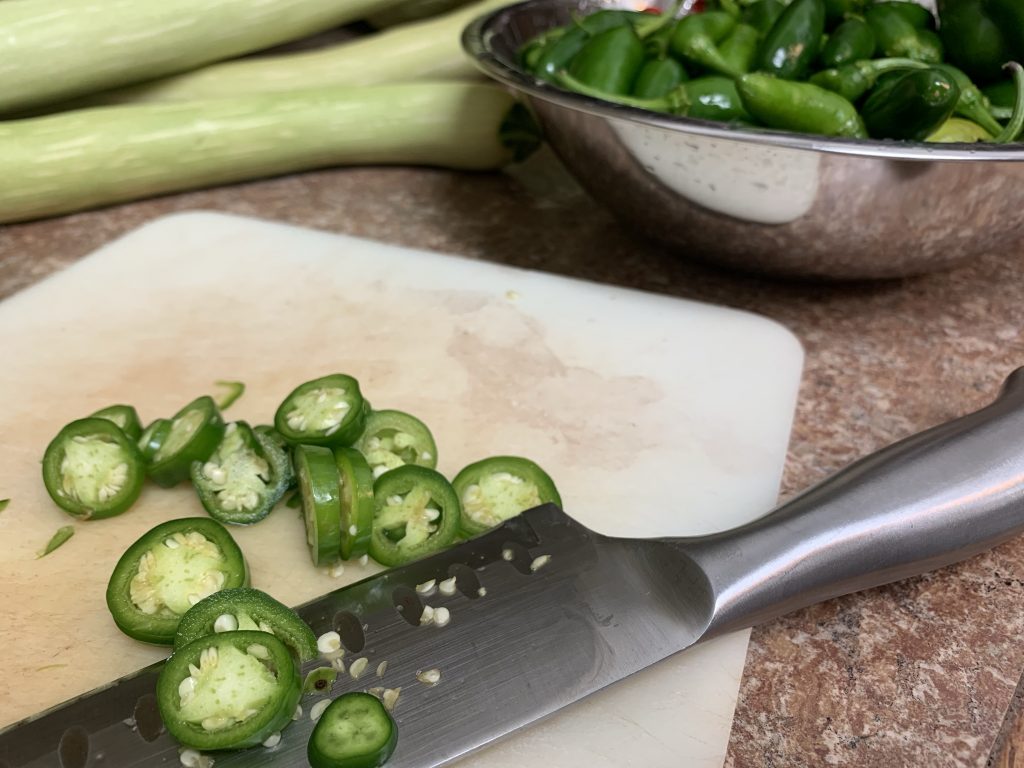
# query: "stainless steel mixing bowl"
{"points": [[772, 202]]}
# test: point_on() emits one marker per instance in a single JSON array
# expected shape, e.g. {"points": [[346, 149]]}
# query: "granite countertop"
{"points": [[921, 673]]}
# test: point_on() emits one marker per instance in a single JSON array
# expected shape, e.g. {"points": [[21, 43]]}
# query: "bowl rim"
{"points": [[477, 40]]}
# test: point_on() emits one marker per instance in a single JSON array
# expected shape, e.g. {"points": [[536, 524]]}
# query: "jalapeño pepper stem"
{"points": [[852, 81], [1013, 128], [675, 102]]}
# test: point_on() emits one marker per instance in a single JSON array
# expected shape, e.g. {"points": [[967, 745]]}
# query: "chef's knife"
{"points": [[546, 612]]}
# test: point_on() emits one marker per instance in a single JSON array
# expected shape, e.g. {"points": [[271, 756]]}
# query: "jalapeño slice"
{"points": [[415, 513], [355, 731], [496, 489], [169, 569], [152, 437], [92, 470], [356, 480], [317, 473], [124, 416], [393, 438], [228, 691], [244, 478], [249, 609], [327, 411], [196, 431]]}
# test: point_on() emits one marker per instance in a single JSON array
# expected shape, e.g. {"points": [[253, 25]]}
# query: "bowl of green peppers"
{"points": [[833, 139]]}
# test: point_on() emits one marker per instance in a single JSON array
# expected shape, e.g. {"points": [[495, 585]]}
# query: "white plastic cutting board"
{"points": [[655, 416]]}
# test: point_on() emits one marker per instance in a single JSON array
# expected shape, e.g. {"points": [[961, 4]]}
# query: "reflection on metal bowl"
{"points": [[766, 201]]}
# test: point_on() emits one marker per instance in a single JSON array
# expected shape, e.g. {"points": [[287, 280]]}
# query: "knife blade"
{"points": [[547, 612]]}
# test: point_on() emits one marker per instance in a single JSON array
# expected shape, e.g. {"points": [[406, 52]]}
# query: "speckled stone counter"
{"points": [[922, 673]]}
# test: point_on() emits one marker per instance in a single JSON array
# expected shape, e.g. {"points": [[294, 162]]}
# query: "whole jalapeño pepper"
{"points": [[801, 107], [919, 16], [851, 41], [897, 37], [610, 61], [762, 14], [715, 98], [739, 49], [974, 41], [853, 80], [791, 45], [971, 103], [696, 39], [1009, 15], [837, 10], [658, 77], [556, 54], [912, 107]]}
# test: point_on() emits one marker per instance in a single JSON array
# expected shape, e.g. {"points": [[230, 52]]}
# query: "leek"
{"points": [[53, 50], [424, 50], [82, 159]]}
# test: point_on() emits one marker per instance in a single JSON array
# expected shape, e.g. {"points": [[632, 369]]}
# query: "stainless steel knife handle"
{"points": [[927, 501]]}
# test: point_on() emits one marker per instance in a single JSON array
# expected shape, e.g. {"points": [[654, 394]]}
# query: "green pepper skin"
{"points": [[973, 40], [715, 98], [912, 107], [254, 730], [972, 102], [792, 44], [959, 131], [762, 14], [160, 628], [658, 77], [696, 39], [610, 61], [172, 464], [852, 81], [389, 541], [852, 41], [67, 495], [898, 38], [198, 621], [278, 477], [124, 416], [739, 49], [801, 107]]}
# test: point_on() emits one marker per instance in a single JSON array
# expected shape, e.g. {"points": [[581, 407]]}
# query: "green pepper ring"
{"points": [[248, 733], [402, 480], [160, 630], [288, 627], [54, 455], [356, 502], [170, 470], [514, 465], [346, 432]]}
